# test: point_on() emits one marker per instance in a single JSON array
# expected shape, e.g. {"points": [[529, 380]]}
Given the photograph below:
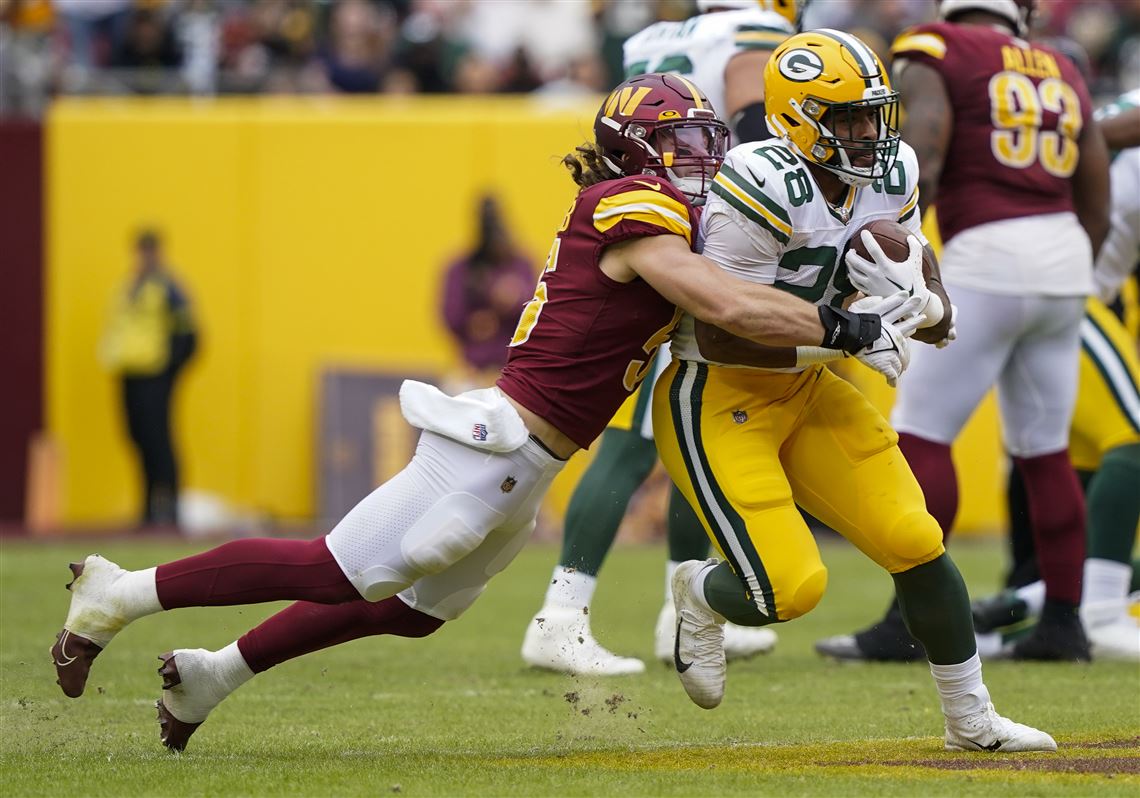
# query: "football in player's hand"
{"points": [[891, 236]]}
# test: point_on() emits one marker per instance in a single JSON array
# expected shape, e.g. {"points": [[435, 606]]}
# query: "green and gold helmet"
{"points": [[819, 81]]}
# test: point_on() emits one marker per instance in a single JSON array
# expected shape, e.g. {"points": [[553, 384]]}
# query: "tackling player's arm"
{"points": [[754, 311], [1091, 196], [698, 286]]}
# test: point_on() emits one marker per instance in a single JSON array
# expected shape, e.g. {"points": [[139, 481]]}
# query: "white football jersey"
{"points": [[766, 221], [700, 47]]}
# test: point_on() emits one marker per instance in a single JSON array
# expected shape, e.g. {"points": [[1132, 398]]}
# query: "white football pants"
{"points": [[440, 529], [1028, 346]]}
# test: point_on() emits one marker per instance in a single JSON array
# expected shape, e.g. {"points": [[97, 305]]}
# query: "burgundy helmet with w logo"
{"points": [[664, 125]]}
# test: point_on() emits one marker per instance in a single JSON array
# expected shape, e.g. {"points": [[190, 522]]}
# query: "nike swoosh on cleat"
{"points": [[677, 663], [995, 745], [63, 650]]}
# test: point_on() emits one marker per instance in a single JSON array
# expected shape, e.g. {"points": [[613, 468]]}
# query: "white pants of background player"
{"points": [[437, 532], [1019, 286]]}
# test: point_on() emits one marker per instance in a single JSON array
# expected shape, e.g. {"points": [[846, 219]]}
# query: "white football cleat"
{"points": [[95, 615], [986, 730], [740, 642], [1112, 631], [698, 652], [190, 690], [560, 640]]}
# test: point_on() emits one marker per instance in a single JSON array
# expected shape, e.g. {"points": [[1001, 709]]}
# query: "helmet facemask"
{"points": [[685, 152], [855, 161]]}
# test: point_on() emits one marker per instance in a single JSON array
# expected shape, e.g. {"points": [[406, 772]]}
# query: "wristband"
{"points": [[849, 332], [809, 355]]}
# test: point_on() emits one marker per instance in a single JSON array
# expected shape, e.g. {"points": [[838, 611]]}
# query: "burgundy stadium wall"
{"points": [[21, 305]]}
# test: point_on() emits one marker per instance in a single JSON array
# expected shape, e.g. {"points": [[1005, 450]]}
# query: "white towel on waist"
{"points": [[482, 418]]}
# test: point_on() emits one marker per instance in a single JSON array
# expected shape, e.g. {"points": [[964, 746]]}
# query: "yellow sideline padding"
{"points": [[308, 232]]}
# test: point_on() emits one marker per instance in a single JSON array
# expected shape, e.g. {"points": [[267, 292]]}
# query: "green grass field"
{"points": [[458, 714]]}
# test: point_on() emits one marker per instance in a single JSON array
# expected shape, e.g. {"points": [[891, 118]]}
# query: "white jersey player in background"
{"points": [[723, 51]]}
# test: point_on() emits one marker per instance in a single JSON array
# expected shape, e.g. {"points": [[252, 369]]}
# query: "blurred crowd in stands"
{"points": [[209, 47]]}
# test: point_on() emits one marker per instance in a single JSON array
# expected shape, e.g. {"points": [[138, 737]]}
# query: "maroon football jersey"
{"points": [[585, 342], [1018, 111]]}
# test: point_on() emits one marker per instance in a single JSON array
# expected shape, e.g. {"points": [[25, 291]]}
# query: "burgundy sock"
{"points": [[252, 571], [934, 470], [305, 627], [1057, 514]]}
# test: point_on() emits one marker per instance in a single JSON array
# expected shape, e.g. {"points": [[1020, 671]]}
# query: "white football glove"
{"points": [[890, 353], [882, 276]]}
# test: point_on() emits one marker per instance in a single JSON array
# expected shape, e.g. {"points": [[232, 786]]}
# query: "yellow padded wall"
{"points": [[308, 232]]}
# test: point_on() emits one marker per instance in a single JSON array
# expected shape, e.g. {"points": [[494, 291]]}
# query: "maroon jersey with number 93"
{"points": [[585, 342], [1018, 108]]}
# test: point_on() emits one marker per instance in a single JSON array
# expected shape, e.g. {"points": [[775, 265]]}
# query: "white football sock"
{"points": [[570, 589], [233, 671], [137, 593], [960, 687], [698, 587], [1105, 580], [207, 678], [1033, 595]]}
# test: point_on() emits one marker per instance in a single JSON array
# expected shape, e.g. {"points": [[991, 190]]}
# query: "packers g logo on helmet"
{"points": [[801, 65], [820, 89]]}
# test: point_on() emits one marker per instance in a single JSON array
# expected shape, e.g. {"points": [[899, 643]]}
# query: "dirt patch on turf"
{"points": [[1104, 766]]}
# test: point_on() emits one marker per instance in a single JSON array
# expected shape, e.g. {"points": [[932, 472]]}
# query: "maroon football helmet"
{"points": [[1017, 12], [662, 124]]}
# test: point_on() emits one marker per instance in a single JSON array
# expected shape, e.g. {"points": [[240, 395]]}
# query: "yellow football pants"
{"points": [[1107, 413], [744, 446]]}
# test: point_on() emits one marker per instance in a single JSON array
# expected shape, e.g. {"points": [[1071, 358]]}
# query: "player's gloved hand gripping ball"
{"points": [[884, 257]]}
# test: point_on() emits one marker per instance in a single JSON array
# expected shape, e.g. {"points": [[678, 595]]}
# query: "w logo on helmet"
{"points": [[801, 65], [625, 100]]}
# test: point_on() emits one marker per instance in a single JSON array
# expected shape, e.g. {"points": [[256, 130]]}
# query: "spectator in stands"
{"points": [[149, 43], [150, 338], [95, 28], [361, 44], [483, 294]]}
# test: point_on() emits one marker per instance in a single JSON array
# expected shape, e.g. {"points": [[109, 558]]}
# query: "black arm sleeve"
{"points": [[748, 123]]}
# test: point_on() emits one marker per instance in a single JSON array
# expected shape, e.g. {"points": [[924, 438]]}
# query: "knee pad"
{"points": [[450, 530], [915, 538], [447, 531], [804, 595]]}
